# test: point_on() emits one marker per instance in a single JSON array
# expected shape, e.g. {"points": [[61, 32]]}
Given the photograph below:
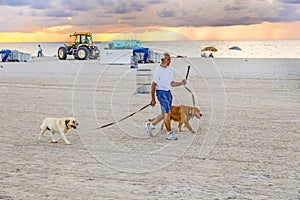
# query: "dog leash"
{"points": [[191, 94], [112, 123], [186, 77]]}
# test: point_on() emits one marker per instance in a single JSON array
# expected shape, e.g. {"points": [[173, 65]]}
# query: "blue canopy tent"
{"points": [[142, 50], [6, 53]]}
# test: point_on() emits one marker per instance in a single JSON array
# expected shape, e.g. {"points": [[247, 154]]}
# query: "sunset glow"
{"points": [[264, 31]]}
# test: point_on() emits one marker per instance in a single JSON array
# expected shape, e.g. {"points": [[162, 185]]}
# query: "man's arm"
{"points": [[153, 86], [175, 84]]}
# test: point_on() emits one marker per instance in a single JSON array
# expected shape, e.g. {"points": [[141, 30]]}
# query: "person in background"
{"points": [[163, 79], [40, 51]]}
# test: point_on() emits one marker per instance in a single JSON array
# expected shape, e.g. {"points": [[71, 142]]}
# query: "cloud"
{"points": [[166, 13], [40, 4], [58, 13], [125, 7], [100, 14], [31, 3], [15, 2], [235, 6], [289, 13], [79, 5], [290, 1]]}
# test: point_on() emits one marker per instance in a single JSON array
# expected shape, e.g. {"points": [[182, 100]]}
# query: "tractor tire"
{"points": [[62, 53], [82, 53]]}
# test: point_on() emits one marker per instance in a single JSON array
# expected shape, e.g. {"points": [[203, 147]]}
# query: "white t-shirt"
{"points": [[163, 76]]}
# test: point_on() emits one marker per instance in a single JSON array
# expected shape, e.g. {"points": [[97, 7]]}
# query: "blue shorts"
{"points": [[165, 100]]}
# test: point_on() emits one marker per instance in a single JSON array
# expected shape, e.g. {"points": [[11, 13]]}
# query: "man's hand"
{"points": [[183, 82], [153, 102]]}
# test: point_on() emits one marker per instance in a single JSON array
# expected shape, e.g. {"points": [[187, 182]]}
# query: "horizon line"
{"points": [[98, 41]]}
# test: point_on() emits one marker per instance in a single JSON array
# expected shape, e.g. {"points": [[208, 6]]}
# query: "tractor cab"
{"points": [[82, 39]]}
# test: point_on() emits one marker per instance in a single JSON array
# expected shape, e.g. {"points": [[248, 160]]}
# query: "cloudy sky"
{"points": [[52, 20]]}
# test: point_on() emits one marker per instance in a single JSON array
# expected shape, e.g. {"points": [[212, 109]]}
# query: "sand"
{"points": [[246, 146]]}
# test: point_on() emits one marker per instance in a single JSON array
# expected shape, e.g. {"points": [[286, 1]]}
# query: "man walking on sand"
{"points": [[163, 79], [40, 51]]}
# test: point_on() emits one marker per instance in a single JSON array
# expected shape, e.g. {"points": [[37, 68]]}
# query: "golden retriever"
{"points": [[182, 114], [58, 125]]}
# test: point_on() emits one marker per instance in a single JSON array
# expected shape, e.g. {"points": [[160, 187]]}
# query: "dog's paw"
{"points": [[193, 131], [54, 141], [68, 143]]}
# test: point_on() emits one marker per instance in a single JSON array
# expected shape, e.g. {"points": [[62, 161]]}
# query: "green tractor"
{"points": [[81, 47]]}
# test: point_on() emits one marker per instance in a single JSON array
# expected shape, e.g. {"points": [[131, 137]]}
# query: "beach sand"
{"points": [[247, 144]]}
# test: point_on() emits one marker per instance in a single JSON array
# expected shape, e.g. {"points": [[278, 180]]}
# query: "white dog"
{"points": [[58, 125]]}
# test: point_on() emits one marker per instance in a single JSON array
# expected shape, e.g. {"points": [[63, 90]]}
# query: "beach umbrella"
{"points": [[235, 48], [210, 49]]}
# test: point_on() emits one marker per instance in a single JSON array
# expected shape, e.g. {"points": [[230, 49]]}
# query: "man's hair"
{"points": [[163, 56]]}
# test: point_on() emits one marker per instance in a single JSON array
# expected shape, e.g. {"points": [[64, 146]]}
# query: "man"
{"points": [[40, 51], [163, 79]]}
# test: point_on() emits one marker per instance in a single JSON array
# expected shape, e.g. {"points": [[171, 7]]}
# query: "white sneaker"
{"points": [[171, 136], [149, 128]]}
